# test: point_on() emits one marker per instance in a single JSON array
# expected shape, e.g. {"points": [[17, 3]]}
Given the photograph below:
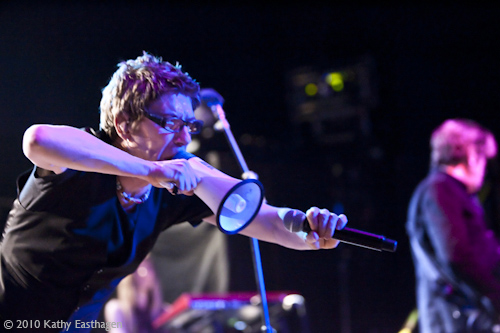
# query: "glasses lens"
{"points": [[173, 124], [195, 126]]}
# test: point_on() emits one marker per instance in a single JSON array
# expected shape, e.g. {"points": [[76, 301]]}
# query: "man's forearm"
{"points": [[57, 148]]}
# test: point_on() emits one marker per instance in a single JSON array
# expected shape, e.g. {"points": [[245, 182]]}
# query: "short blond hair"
{"points": [[137, 83]]}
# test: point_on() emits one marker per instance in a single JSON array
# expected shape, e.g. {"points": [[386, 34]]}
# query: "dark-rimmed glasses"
{"points": [[174, 124]]}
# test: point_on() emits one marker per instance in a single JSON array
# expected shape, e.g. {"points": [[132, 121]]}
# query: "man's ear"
{"points": [[122, 125]]}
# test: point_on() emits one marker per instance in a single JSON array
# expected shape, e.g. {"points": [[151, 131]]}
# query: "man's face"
{"points": [[155, 143], [476, 169]]}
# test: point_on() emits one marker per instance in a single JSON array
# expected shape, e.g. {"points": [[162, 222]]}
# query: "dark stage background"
{"points": [[420, 64]]}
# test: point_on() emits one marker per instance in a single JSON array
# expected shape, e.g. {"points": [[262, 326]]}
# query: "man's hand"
{"points": [[177, 176], [323, 225]]}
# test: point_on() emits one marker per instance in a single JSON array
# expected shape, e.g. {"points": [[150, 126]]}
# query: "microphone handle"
{"points": [[360, 238]]}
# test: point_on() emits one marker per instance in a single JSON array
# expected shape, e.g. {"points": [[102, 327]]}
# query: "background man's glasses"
{"points": [[175, 125]]}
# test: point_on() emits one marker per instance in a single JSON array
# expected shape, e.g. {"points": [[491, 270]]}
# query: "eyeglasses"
{"points": [[175, 125]]}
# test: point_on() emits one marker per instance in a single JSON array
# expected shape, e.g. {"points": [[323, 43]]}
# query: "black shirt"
{"points": [[68, 243]]}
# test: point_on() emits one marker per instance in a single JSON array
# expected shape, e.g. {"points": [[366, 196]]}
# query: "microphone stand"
{"points": [[259, 275]]}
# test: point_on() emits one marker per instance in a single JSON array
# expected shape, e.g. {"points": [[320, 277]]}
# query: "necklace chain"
{"points": [[130, 198]]}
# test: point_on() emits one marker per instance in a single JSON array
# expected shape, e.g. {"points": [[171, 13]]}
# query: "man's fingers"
{"points": [[312, 214], [341, 223], [179, 177], [317, 243], [324, 222], [312, 239], [167, 185]]}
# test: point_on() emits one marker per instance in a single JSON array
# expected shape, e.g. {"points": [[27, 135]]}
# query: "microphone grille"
{"points": [[294, 220]]}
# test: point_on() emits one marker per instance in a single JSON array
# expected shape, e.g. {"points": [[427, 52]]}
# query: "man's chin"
{"points": [[166, 157], [171, 154]]}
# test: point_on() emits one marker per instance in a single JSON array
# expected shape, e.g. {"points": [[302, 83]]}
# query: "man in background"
{"points": [[455, 252]]}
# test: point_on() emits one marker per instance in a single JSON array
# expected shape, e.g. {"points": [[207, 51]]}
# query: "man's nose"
{"points": [[183, 136]]}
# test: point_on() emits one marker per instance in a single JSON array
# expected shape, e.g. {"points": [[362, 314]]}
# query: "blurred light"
{"points": [[213, 158], [142, 271], [219, 126], [335, 80], [231, 321], [255, 300], [207, 132], [240, 325], [290, 300], [410, 323], [193, 146], [249, 312], [311, 89]]}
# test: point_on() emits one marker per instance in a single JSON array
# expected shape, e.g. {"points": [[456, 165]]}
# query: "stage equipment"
{"points": [[331, 105], [233, 312]]}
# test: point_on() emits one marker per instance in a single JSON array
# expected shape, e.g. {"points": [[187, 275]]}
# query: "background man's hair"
{"points": [[451, 140]]}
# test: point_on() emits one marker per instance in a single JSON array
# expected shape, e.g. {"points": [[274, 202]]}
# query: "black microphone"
{"points": [[295, 221]]}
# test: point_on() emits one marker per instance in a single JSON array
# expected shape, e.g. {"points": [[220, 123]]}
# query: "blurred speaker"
{"points": [[234, 312]]}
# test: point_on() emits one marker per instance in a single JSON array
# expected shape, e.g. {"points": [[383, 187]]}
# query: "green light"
{"points": [[335, 80], [311, 89]]}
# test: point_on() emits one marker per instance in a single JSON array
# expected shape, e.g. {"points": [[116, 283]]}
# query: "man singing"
{"points": [[92, 207]]}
